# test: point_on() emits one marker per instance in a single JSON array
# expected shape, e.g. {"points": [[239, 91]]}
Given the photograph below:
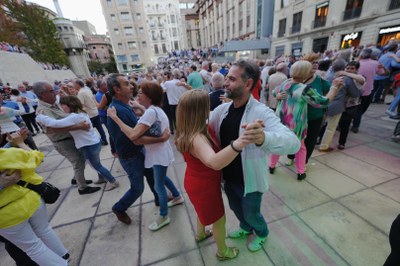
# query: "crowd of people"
{"points": [[226, 120]]}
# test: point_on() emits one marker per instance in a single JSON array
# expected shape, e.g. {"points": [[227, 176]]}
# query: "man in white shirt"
{"points": [[88, 101], [206, 76], [174, 90]]}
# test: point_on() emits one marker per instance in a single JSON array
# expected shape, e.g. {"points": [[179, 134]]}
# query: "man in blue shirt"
{"points": [[130, 155]]}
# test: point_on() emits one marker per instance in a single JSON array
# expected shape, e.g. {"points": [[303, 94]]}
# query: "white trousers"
{"points": [[37, 239], [333, 122]]}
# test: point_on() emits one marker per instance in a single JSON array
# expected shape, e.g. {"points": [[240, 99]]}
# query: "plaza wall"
{"points": [[15, 68]]}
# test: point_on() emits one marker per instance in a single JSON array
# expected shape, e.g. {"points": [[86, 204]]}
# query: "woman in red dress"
{"points": [[204, 161]]}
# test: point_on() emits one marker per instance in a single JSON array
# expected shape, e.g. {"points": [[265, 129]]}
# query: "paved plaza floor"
{"points": [[339, 215]]}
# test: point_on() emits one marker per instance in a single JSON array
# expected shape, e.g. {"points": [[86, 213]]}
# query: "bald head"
{"points": [[281, 67]]}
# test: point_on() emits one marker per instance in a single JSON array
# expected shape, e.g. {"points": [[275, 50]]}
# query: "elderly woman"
{"points": [[23, 215], [295, 96]]}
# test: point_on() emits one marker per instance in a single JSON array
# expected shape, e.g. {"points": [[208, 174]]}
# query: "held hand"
{"points": [[7, 179], [84, 126], [340, 73], [338, 82], [254, 132], [281, 96], [112, 112]]}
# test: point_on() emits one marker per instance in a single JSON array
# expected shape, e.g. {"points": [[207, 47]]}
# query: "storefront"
{"points": [[280, 50], [351, 40], [388, 33], [297, 49]]}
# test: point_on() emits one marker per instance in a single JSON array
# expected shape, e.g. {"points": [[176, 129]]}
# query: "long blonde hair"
{"points": [[191, 115]]}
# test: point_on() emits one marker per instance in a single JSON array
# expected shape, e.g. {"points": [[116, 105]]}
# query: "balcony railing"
{"points": [[352, 13], [295, 28], [318, 23], [281, 33], [394, 4]]}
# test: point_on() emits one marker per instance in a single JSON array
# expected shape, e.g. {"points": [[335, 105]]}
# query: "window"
{"points": [[321, 14], [174, 32], [113, 18], [280, 50], [116, 31], [144, 44], [128, 31], [172, 19], [132, 45], [134, 57], [176, 45], [59, 28], [125, 16], [156, 51], [135, 2], [164, 48], [141, 30], [109, 3], [122, 2], [284, 3], [320, 45], [394, 4], [138, 16], [122, 58], [66, 28], [94, 47], [353, 9], [120, 46], [282, 27], [296, 25], [248, 21]]}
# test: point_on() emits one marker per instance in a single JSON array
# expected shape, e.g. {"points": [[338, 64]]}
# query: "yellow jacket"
{"points": [[17, 203]]}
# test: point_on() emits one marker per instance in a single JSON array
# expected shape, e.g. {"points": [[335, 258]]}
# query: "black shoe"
{"points": [[301, 176], [341, 147], [271, 170], [104, 143], [66, 256], [88, 190], [354, 130], [88, 182]]}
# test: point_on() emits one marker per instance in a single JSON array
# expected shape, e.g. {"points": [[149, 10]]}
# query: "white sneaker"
{"points": [[159, 223], [111, 186], [176, 201]]}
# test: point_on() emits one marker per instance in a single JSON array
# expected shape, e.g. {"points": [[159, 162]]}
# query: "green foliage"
{"points": [[9, 30], [95, 67], [40, 33], [100, 68]]}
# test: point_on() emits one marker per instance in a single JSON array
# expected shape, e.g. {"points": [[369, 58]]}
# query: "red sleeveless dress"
{"points": [[203, 186]]}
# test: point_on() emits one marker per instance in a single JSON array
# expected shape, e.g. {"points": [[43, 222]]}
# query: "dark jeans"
{"points": [[394, 239], [103, 120], [166, 109], [247, 209], [344, 124], [97, 124], [313, 129], [365, 102], [379, 87], [20, 257], [30, 121], [172, 109]]}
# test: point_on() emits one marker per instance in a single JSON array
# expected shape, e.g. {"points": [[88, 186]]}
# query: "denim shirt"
{"points": [[124, 146], [278, 140]]}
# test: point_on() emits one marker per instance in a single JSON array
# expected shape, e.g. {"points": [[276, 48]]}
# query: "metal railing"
{"points": [[295, 28], [318, 23], [352, 13]]}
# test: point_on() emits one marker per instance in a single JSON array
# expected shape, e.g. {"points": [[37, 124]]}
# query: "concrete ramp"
{"points": [[16, 67]]}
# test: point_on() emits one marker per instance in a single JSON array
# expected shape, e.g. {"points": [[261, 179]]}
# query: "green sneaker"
{"points": [[256, 244], [239, 233]]}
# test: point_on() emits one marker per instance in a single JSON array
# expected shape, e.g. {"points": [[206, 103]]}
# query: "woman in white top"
{"points": [[158, 155], [86, 141]]}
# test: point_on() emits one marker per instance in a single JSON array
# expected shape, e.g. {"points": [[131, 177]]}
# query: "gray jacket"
{"points": [[338, 104]]}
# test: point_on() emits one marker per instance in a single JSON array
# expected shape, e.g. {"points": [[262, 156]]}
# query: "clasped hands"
{"points": [[253, 133]]}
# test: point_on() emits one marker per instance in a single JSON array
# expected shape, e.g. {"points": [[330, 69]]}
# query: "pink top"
{"points": [[368, 69]]}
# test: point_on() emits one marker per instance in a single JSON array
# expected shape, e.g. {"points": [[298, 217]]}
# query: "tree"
{"points": [[42, 38], [9, 30], [111, 67], [95, 67]]}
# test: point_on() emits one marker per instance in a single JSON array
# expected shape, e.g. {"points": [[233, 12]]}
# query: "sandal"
{"points": [[207, 235], [228, 254]]}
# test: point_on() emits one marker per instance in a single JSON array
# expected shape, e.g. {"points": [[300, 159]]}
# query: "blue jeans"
{"points": [[393, 106], [161, 180], [92, 154], [134, 167], [97, 124], [247, 209], [379, 87]]}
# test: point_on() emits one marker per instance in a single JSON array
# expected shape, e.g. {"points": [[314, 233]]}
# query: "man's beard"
{"points": [[234, 94]]}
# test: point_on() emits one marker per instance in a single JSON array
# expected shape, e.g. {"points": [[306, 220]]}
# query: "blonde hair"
{"points": [[311, 57], [191, 115], [301, 70]]}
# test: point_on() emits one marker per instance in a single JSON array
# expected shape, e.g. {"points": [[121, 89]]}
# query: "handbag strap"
{"points": [[154, 109], [28, 185]]}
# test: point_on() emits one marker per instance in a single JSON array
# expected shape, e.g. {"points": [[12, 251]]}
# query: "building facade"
{"points": [[190, 24], [142, 31], [233, 23], [303, 26], [85, 26], [99, 48]]}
